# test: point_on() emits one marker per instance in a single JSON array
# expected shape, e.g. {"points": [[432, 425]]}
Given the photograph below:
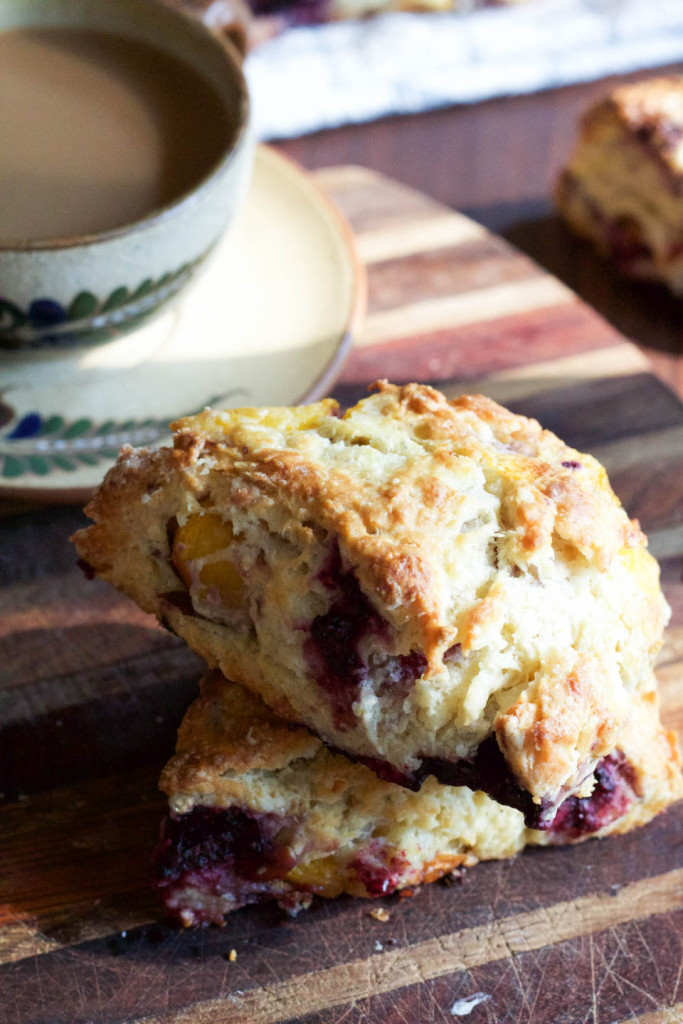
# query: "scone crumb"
{"points": [[407, 894], [380, 914]]}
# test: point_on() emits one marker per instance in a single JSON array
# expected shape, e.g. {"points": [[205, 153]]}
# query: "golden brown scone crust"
{"points": [[406, 580], [234, 753], [653, 110], [623, 185]]}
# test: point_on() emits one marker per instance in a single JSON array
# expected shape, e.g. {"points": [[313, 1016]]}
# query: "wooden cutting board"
{"points": [[93, 692]]}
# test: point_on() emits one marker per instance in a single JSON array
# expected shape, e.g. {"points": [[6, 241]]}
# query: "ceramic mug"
{"points": [[92, 288]]}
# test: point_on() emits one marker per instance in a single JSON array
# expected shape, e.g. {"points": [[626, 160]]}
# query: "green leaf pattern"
{"points": [[88, 318], [62, 445]]}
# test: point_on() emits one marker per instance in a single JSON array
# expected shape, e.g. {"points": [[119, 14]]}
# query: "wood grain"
{"points": [[443, 955], [91, 691]]}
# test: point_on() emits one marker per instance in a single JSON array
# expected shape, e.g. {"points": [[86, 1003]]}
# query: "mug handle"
{"points": [[231, 19]]}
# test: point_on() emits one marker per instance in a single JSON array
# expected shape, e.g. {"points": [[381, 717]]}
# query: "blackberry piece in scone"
{"points": [[623, 186], [259, 810], [435, 588]]}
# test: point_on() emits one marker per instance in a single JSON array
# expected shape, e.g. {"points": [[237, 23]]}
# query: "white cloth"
{"points": [[328, 75]]}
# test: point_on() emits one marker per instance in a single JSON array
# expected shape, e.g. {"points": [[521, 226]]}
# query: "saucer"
{"points": [[268, 323]]}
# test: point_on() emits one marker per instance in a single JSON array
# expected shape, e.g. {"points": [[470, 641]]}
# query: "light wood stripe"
{"points": [[669, 679], [551, 374], [417, 235], [23, 940], [19, 939], [347, 176], [669, 1015], [468, 308], [435, 958], [616, 361]]}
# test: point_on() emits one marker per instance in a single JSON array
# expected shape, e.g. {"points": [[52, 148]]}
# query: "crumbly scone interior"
{"points": [[273, 814], [407, 580]]}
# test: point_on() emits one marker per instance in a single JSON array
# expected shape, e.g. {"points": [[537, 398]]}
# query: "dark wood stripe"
{"points": [[60, 627], [34, 545], [599, 979], [466, 267], [572, 924], [134, 967], [596, 413], [478, 350], [75, 860], [132, 722]]}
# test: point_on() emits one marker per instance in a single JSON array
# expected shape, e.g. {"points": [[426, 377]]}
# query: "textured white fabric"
{"points": [[324, 76]]}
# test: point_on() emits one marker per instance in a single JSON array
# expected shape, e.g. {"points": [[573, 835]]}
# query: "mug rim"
{"points": [[221, 44]]}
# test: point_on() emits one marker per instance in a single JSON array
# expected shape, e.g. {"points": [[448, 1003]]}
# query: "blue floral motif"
{"points": [[46, 313], [48, 322], [28, 426], [40, 445]]}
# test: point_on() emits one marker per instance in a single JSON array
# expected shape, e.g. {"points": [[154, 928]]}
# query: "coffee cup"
{"points": [[127, 152]]}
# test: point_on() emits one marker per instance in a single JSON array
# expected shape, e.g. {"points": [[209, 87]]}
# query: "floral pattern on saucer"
{"points": [[40, 445]]}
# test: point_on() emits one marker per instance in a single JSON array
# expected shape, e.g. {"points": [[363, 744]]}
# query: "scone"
{"points": [[260, 810], [623, 185], [432, 587], [286, 13]]}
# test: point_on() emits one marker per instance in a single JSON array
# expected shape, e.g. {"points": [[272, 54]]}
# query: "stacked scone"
{"points": [[267, 18], [441, 627], [623, 185]]}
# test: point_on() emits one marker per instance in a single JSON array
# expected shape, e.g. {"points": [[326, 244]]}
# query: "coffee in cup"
{"points": [[125, 152]]}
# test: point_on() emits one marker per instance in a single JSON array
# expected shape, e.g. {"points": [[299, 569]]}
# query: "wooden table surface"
{"points": [[497, 161], [91, 692]]}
